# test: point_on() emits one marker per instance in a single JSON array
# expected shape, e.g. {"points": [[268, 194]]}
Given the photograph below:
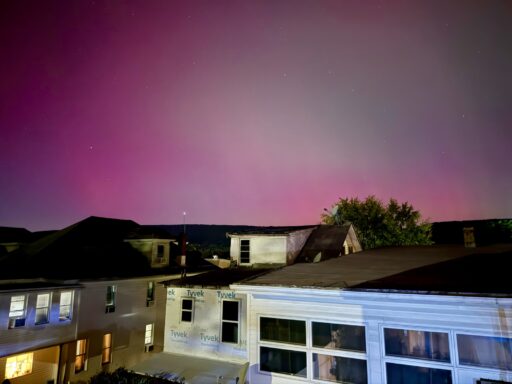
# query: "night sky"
{"points": [[252, 112]]}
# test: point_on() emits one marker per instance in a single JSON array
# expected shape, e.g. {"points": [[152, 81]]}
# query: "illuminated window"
{"points": [[148, 335], [81, 355], [230, 320], [17, 311], [150, 295], [245, 250], [42, 306], [19, 365], [187, 309], [106, 354], [65, 305], [110, 305]]}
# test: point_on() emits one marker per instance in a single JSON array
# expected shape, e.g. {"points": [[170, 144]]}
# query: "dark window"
{"points": [[417, 344], [485, 351], [339, 336], [283, 330], [245, 250], [150, 295], [160, 251], [409, 374], [111, 299], [283, 361], [230, 313], [187, 308], [339, 369]]}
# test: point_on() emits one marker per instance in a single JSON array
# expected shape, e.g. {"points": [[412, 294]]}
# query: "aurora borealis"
{"points": [[252, 112]]}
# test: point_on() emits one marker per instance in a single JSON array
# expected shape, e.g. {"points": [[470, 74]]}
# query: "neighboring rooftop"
{"points": [[383, 266], [325, 242], [91, 248], [14, 235], [217, 277], [269, 231]]}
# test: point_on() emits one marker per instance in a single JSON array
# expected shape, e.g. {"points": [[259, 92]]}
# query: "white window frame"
{"points": [[66, 310], [415, 362], [474, 367], [150, 299], [187, 310], [17, 317], [222, 321], [110, 305], [43, 308], [149, 334], [308, 347], [245, 251]]}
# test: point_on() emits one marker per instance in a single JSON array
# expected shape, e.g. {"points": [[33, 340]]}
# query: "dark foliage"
{"points": [[123, 376]]}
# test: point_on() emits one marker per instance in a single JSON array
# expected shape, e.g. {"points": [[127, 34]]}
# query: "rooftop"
{"points": [[269, 231], [399, 268]]}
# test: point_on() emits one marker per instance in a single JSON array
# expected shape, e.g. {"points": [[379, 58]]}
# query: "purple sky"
{"points": [[252, 112]]}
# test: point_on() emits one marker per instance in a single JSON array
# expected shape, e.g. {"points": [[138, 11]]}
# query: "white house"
{"points": [[435, 315], [278, 246]]}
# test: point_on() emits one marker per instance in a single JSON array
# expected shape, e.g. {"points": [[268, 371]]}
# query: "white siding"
{"points": [[127, 323], [31, 336], [263, 249], [479, 316]]}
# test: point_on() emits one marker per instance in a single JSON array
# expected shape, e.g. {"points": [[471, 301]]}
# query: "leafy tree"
{"points": [[379, 225]]}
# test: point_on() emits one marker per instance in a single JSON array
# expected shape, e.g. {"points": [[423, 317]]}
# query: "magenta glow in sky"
{"points": [[242, 112]]}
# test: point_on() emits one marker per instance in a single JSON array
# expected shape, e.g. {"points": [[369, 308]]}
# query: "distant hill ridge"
{"points": [[444, 232], [209, 234]]}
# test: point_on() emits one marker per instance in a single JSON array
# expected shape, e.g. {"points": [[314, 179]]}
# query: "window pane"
{"points": [[41, 315], [65, 298], [483, 351], [229, 332], [283, 330], [283, 361], [186, 316], [18, 365], [339, 369], [43, 300], [417, 344], [339, 336], [186, 304], [230, 310], [407, 374]]}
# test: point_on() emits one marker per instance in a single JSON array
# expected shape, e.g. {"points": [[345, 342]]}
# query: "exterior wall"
{"points": [[149, 248], [375, 311], [127, 324], [44, 367], [202, 336], [294, 243], [263, 249], [30, 336]]}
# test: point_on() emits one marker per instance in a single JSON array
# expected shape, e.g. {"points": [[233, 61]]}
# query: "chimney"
{"points": [[469, 237]]}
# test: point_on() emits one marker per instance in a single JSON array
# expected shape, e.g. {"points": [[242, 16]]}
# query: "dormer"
{"points": [[153, 243], [268, 246]]}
